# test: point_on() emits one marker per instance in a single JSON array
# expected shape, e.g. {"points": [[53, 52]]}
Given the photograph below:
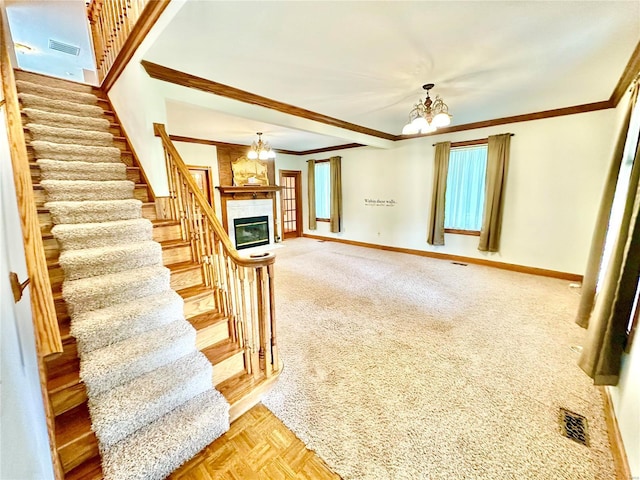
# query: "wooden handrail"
{"points": [[160, 131], [118, 27], [242, 288], [45, 322]]}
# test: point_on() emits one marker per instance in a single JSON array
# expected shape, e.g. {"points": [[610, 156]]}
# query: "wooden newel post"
{"points": [[265, 347], [255, 335], [272, 312]]}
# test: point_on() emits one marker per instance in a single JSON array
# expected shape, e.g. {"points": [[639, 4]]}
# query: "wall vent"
{"points": [[64, 47]]}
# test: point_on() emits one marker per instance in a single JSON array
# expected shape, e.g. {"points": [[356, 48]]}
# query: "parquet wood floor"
{"points": [[257, 446]]}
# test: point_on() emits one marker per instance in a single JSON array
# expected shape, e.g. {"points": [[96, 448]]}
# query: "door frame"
{"points": [[208, 175], [297, 174]]}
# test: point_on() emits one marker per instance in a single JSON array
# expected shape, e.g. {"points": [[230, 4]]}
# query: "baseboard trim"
{"points": [[457, 258], [623, 471]]}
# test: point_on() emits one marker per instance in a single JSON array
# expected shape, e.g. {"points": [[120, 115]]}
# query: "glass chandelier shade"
{"points": [[260, 150], [427, 116]]}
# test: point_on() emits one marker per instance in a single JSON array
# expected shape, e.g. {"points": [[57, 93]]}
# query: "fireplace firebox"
{"points": [[251, 231]]}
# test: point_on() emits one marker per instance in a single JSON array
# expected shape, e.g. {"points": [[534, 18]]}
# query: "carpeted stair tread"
{"points": [[77, 153], [156, 450], [90, 262], [106, 326], [122, 410], [24, 86], [96, 211], [108, 367], [85, 190], [72, 136], [99, 234], [98, 292], [60, 106], [65, 120], [74, 170]]}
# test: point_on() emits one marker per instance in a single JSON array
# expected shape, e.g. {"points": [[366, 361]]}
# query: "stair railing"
{"points": [[243, 287], [117, 29], [45, 321]]}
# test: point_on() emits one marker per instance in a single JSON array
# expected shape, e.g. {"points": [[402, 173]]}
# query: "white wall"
{"points": [[556, 175], [137, 100], [24, 442], [626, 395], [204, 155]]}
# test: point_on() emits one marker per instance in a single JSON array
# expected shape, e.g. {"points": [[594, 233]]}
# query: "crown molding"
{"points": [[630, 72], [557, 112], [177, 77]]}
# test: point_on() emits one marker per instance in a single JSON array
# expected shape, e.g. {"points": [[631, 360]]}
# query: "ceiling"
{"points": [[34, 22], [365, 62]]}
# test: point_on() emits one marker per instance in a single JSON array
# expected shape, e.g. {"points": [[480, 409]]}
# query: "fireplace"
{"points": [[251, 231]]}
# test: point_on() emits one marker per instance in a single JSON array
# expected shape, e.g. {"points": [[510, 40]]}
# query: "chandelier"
{"points": [[427, 116], [260, 150]]}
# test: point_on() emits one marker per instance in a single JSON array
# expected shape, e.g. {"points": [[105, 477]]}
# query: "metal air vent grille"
{"points": [[64, 47]]}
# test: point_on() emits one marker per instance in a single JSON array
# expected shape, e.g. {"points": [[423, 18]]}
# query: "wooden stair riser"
{"points": [[56, 276], [76, 442], [166, 233], [149, 211], [188, 277], [177, 254], [90, 470], [212, 335], [44, 218], [115, 130], [69, 354], [51, 249], [133, 174], [68, 398], [74, 454], [228, 368], [198, 304]]}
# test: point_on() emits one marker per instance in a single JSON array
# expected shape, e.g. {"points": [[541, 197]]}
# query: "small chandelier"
{"points": [[260, 150], [427, 116]]}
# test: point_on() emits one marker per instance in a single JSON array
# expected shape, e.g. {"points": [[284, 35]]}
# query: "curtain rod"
{"points": [[474, 142]]}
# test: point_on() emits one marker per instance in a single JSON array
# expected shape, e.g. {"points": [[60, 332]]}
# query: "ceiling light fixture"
{"points": [[427, 116], [23, 48], [260, 150]]}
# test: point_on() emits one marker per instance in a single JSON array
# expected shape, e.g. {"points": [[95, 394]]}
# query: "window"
{"points": [[323, 190], [464, 198]]}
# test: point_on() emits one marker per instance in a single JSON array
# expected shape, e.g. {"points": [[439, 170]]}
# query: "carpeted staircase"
{"points": [[150, 394]]}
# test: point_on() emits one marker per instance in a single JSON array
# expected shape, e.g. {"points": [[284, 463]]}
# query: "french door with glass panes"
{"points": [[290, 181]]}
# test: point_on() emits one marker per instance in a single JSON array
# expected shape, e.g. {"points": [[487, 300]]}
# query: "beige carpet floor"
{"points": [[402, 367]]}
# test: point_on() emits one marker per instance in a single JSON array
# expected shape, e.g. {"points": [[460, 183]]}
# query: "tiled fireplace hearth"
{"points": [[249, 215]]}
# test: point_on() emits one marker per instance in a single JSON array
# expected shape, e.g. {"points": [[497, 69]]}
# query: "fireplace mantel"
{"points": [[252, 190]]}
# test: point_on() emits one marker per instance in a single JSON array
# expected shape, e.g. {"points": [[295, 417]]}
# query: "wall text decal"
{"points": [[368, 202]]}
